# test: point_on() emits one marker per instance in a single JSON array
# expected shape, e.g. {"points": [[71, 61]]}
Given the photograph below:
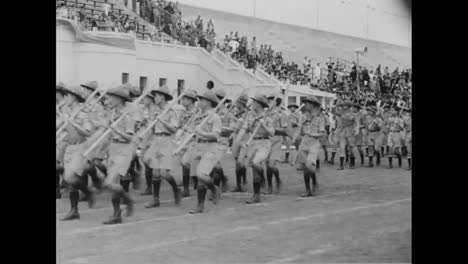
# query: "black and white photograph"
{"points": [[233, 131]]}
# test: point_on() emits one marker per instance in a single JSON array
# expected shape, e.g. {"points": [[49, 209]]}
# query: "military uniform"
{"points": [[312, 129], [374, 124], [346, 129], [238, 151], [395, 126], [408, 129]]}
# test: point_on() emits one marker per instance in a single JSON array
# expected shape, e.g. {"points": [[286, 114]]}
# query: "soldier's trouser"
{"points": [[346, 137], [205, 156], [394, 143], [308, 153], [120, 157]]}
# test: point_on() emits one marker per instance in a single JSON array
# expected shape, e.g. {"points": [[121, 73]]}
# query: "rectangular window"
{"points": [[302, 98], [143, 80], [125, 76], [162, 81], [180, 86], [291, 100]]}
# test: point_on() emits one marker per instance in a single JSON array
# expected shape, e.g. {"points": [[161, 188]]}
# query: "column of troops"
{"points": [[115, 135]]}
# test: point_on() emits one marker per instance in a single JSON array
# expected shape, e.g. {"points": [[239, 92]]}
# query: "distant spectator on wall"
{"points": [[210, 85]]}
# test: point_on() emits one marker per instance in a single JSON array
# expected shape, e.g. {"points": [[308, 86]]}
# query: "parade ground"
{"points": [[361, 215]]}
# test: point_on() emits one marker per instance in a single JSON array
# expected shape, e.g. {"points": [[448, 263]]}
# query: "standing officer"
{"points": [[120, 151], [159, 155], [205, 153], [260, 124], [280, 124], [238, 152], [311, 129], [76, 167], [185, 122]]}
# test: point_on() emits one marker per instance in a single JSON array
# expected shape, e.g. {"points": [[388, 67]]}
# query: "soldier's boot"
{"points": [[390, 164], [224, 180], [325, 152], [371, 162], [116, 217], [313, 176], [73, 214], [404, 151], [155, 202], [175, 189], [341, 164], [277, 179], [148, 179], [186, 181], [409, 164], [97, 182], [332, 159], [238, 181], [201, 194], [317, 165], [126, 187], [215, 192], [84, 181], [382, 151], [244, 176], [256, 186], [88, 192], [269, 174], [195, 182], [129, 204], [399, 160], [352, 162], [307, 175], [387, 150], [377, 159], [286, 157], [362, 159]]}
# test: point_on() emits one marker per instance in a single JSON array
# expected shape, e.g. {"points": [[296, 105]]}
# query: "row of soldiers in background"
{"points": [[115, 135]]}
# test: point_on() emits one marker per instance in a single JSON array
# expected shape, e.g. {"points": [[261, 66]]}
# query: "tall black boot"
{"points": [[261, 173], [286, 158], [382, 151], [73, 214], [341, 163], [277, 179], [404, 151], [317, 165], [201, 194], [238, 180], [176, 190], [155, 202], [387, 150], [307, 175], [313, 176], [409, 164], [126, 187], [243, 171], [116, 218], [332, 160], [148, 179], [224, 180], [390, 165], [256, 196], [97, 183], [325, 152], [269, 175], [84, 180], [195, 182], [352, 162], [186, 180], [86, 190], [399, 160], [371, 163], [377, 158], [361, 155]]}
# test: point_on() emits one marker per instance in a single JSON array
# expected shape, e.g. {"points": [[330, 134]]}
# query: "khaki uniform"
{"points": [[227, 120], [120, 151], [258, 150], [382, 139], [374, 125], [346, 133], [310, 144], [74, 162], [159, 155], [280, 121], [205, 153], [238, 152], [361, 137], [408, 127], [394, 125], [185, 155]]}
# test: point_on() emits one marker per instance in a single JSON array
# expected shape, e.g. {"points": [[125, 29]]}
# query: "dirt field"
{"points": [[360, 215]]}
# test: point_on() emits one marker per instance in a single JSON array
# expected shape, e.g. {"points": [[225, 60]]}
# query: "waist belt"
{"points": [[277, 133], [119, 141], [374, 130], [207, 141], [163, 134], [260, 138]]}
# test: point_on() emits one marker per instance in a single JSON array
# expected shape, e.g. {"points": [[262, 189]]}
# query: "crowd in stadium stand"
{"points": [[350, 82]]}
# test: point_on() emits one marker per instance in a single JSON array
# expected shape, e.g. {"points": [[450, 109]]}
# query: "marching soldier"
{"points": [[205, 152], [394, 125], [238, 152], [76, 166], [260, 124], [384, 132], [120, 150], [159, 155], [294, 119], [361, 141], [407, 127], [60, 93], [187, 117], [228, 125], [280, 124], [348, 128], [374, 125], [312, 129], [324, 139]]}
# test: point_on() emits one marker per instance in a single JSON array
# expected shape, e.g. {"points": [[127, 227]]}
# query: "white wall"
{"points": [[381, 20]]}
